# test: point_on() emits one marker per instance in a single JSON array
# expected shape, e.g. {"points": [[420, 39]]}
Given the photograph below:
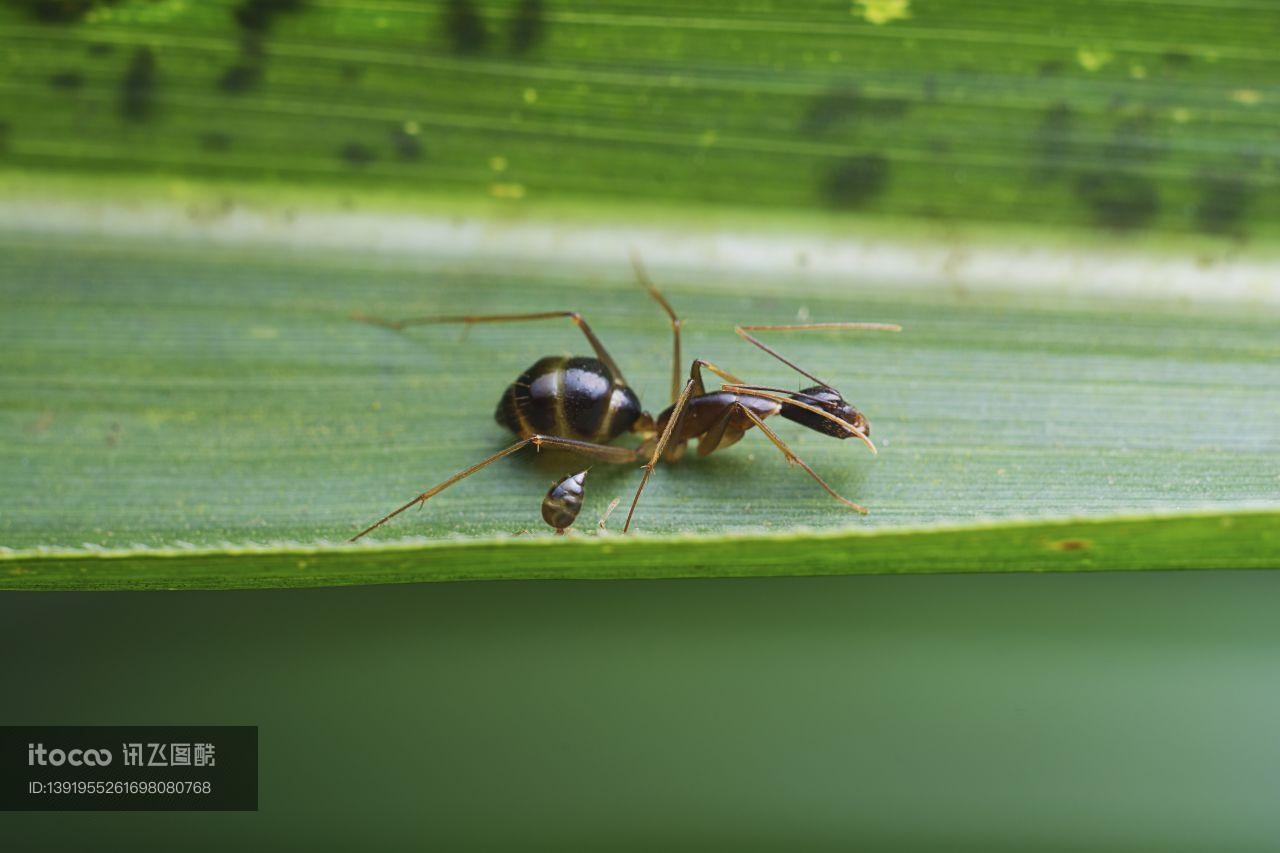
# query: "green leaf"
{"points": [[1070, 209], [1242, 540], [187, 397]]}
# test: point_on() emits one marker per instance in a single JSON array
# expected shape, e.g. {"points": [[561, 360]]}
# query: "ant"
{"points": [[580, 404]]}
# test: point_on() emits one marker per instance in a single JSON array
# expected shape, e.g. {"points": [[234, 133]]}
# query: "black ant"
{"points": [[581, 404]]}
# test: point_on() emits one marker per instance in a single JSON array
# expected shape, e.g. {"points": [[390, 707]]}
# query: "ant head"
{"points": [[830, 402]]}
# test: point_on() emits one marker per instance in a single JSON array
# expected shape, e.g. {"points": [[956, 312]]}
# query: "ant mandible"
{"points": [[581, 404]]}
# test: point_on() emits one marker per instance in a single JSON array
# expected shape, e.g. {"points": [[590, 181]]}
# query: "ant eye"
{"points": [[824, 397]]}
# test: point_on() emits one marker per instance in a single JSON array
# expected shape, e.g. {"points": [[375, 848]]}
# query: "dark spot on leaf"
{"points": [[829, 109], [1176, 58], [215, 140], [255, 19], [4, 136], [253, 46], [253, 16], [351, 73], [849, 105], [885, 107], [407, 145], [1052, 141], [100, 48], [137, 89], [1071, 545], [1052, 68], [1117, 103], [67, 81], [464, 27], [1119, 200], [1132, 142], [856, 180], [258, 15], [61, 11], [357, 154], [1224, 200], [240, 77], [526, 26]]}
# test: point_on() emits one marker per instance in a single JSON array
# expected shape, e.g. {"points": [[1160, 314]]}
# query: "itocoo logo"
{"points": [[37, 754]]}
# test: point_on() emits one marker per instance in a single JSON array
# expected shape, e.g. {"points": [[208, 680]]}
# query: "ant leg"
{"points": [[719, 436], [646, 424], [743, 333], [470, 319], [604, 452], [796, 460], [673, 422], [695, 373], [643, 278]]}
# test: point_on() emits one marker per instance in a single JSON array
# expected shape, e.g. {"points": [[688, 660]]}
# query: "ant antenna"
{"points": [[642, 276], [743, 333]]}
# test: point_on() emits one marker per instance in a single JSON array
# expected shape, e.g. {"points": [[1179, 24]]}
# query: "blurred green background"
{"points": [[1036, 712]]}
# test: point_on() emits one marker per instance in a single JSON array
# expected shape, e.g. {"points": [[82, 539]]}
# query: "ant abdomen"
{"points": [[569, 397]]}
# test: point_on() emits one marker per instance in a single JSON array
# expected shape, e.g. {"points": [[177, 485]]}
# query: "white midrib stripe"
{"points": [[740, 256]]}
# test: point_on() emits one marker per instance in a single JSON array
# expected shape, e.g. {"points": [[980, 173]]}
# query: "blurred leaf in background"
{"points": [[1124, 115]]}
